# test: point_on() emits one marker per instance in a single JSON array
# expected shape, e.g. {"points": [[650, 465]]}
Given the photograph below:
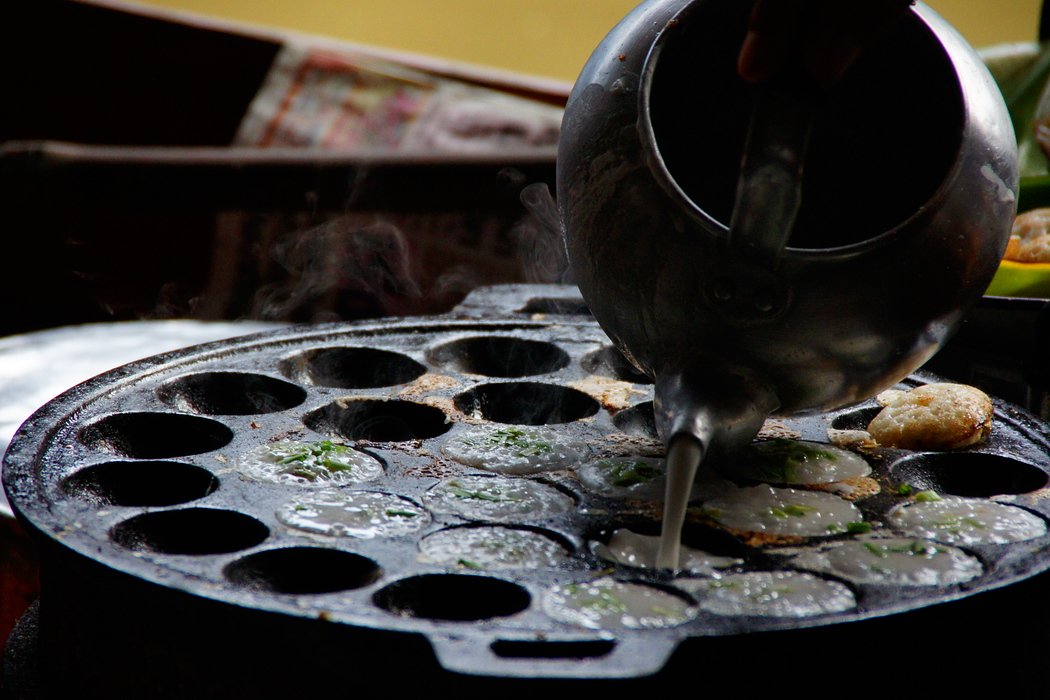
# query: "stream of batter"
{"points": [[683, 459]]}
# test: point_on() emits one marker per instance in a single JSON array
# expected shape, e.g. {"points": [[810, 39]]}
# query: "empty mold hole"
{"points": [[610, 362], [526, 403], [857, 419], [499, 356], [155, 435], [141, 483], [303, 571], [351, 368], [557, 306], [453, 597], [195, 531], [545, 649], [231, 394], [378, 420], [639, 421], [970, 474]]}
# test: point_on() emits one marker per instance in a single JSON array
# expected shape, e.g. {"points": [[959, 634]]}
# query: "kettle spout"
{"points": [[697, 414], [718, 409]]}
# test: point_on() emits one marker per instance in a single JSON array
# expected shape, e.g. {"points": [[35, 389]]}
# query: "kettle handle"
{"points": [[769, 189]]}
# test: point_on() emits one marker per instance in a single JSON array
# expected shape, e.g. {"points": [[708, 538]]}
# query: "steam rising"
{"points": [[341, 269], [540, 244]]}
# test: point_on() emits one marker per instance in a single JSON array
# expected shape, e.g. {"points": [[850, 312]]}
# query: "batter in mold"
{"points": [[489, 547], [608, 604], [514, 449], [496, 498]]}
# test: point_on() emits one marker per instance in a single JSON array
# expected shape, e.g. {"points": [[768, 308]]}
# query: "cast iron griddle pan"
{"points": [[166, 571]]}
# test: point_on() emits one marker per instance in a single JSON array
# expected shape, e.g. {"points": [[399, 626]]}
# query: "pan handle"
{"points": [[597, 657]]}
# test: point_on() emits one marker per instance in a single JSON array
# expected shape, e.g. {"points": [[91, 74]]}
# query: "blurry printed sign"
{"points": [[318, 98]]}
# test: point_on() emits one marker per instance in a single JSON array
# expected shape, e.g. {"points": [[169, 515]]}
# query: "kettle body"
{"points": [[908, 196]]}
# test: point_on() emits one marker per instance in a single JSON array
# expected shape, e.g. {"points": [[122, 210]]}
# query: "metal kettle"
{"points": [[906, 201]]}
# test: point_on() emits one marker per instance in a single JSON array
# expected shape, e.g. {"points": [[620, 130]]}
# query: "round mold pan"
{"points": [[130, 484]]}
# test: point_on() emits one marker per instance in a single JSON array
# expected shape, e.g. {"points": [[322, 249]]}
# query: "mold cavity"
{"points": [[488, 547], [552, 305], [639, 421], [970, 474], [378, 420], [453, 597], [155, 435], [141, 483], [231, 394], [634, 542], [498, 356], [525, 649], [303, 570], [351, 368], [526, 403], [610, 362], [194, 531], [855, 420]]}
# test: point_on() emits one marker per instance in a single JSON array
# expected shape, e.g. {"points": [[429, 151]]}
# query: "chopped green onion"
{"points": [[875, 549], [792, 510], [524, 442], [630, 473]]}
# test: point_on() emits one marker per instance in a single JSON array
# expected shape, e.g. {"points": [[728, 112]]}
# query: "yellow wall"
{"points": [[549, 38]]}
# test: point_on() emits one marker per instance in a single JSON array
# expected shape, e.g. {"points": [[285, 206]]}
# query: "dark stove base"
{"points": [[132, 642], [21, 674]]}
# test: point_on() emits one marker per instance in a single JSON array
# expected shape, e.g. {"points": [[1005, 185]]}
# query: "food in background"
{"points": [[319, 463], [892, 561], [1030, 237], [611, 605], [496, 498], [933, 417]]}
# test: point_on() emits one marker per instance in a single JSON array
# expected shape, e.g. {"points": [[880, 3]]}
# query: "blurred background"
{"points": [[550, 38]]}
